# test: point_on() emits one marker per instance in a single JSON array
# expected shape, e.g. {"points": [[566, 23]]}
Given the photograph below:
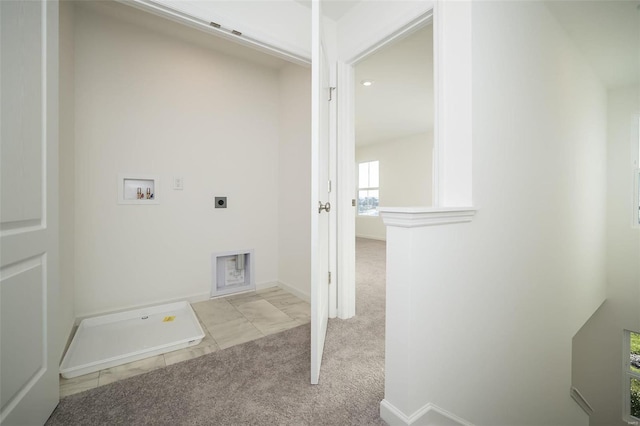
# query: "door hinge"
{"points": [[353, 202], [329, 277], [329, 187], [331, 89]]}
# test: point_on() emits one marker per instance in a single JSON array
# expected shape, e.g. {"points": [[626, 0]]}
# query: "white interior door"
{"points": [[28, 211], [320, 194]]}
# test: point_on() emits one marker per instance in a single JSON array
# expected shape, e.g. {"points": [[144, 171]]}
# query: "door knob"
{"points": [[326, 207]]}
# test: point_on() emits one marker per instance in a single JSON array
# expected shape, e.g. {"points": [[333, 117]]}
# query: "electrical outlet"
{"points": [[178, 183], [221, 202]]}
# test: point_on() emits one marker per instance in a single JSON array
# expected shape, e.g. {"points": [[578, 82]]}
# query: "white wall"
{"points": [[294, 177], [151, 103], [491, 306], [66, 171], [597, 348], [405, 177]]}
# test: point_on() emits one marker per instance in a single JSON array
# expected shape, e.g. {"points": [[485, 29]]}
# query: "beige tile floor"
{"points": [[226, 322]]}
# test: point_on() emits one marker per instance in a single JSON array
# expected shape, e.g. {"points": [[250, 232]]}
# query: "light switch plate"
{"points": [[178, 183]]}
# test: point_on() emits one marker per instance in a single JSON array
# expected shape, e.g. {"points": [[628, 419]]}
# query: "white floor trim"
{"points": [[263, 286], [581, 401], [299, 294], [429, 415], [371, 237]]}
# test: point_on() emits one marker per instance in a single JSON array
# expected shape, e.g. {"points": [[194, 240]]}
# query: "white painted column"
{"points": [[398, 323], [453, 98], [403, 275]]}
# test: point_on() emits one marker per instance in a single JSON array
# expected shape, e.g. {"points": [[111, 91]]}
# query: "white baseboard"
{"points": [[269, 284], [298, 293], [429, 415], [390, 414], [371, 237], [581, 401]]}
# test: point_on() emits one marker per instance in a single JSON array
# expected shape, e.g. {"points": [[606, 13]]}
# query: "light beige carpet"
{"points": [[264, 382]]}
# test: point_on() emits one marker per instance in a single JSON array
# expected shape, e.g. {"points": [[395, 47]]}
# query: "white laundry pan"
{"points": [[115, 339]]}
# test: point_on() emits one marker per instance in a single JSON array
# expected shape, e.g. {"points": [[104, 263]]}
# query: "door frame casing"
{"points": [[403, 26], [345, 188]]}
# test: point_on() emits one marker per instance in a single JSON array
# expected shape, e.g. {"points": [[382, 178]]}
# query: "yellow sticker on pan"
{"points": [[168, 319]]}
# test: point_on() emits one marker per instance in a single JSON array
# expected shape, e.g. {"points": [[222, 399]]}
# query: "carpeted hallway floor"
{"points": [[263, 382]]}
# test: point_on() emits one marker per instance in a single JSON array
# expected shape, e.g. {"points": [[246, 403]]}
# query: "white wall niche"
{"points": [[226, 278], [138, 189]]}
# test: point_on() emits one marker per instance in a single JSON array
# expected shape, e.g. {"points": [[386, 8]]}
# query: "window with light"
{"points": [[368, 188], [632, 376]]}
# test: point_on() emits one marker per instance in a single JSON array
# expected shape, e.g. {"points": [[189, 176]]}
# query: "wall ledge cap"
{"points": [[416, 217]]}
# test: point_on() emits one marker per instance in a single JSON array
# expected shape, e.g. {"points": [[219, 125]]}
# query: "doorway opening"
{"points": [[394, 134]]}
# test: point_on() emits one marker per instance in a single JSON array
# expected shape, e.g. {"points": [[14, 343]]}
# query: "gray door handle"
{"points": [[326, 207]]}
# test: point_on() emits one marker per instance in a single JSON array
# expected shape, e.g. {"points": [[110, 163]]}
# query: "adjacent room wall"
{"points": [[66, 171], [597, 348], [294, 176], [493, 304], [405, 177], [156, 104]]}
